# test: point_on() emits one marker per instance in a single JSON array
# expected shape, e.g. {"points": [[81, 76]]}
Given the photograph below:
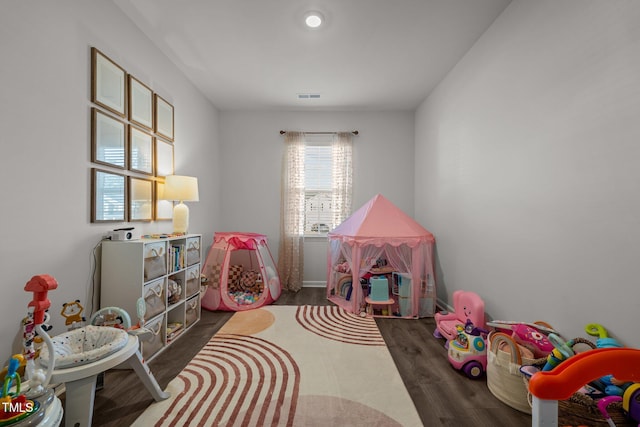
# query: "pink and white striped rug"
{"points": [[289, 366]]}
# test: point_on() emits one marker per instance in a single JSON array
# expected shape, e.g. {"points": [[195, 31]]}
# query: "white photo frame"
{"points": [[164, 158], [140, 151], [108, 83], [140, 104], [163, 118], [108, 140]]}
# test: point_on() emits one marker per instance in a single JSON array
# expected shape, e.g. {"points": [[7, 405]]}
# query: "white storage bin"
{"points": [[156, 342], [193, 281], [155, 260], [154, 298], [192, 310], [193, 250]]}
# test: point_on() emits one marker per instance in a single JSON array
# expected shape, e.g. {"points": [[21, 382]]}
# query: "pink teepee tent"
{"points": [[378, 240]]}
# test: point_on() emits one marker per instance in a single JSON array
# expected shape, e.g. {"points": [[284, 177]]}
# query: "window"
{"points": [[327, 191], [316, 196], [318, 215]]}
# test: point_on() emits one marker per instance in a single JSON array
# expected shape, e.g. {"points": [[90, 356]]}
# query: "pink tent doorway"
{"points": [[380, 241], [240, 272]]}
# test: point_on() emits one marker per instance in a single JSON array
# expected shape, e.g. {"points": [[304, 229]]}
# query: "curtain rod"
{"points": [[355, 132]]}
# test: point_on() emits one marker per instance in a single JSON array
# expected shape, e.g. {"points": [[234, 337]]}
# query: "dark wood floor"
{"points": [[442, 395]]}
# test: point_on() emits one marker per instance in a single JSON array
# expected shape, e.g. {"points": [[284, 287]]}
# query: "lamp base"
{"points": [[180, 218]]}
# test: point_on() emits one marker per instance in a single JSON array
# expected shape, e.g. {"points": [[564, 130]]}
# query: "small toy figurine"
{"points": [[72, 312], [174, 292]]}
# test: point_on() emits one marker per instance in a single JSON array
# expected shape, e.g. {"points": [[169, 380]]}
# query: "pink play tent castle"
{"points": [[240, 272], [377, 242]]}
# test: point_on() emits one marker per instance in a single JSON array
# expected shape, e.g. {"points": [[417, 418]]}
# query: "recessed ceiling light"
{"points": [[313, 19]]}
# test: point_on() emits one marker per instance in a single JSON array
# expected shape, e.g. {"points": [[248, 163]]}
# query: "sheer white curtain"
{"points": [[341, 176], [290, 252]]}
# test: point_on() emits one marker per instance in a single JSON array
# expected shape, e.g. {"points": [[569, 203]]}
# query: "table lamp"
{"points": [[182, 189]]}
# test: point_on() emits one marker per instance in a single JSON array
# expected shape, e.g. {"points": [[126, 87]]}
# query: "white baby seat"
{"points": [[84, 345], [82, 354]]}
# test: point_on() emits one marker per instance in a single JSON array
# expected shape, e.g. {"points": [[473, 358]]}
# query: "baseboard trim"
{"points": [[443, 306], [314, 284]]}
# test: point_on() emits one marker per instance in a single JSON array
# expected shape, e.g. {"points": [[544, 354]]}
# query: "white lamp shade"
{"points": [[181, 188]]}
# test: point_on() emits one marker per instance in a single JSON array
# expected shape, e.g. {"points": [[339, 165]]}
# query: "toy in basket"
{"points": [[468, 351], [630, 405], [529, 335]]}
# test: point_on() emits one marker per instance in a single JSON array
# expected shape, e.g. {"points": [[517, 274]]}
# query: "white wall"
{"points": [[45, 122], [529, 177], [252, 150]]}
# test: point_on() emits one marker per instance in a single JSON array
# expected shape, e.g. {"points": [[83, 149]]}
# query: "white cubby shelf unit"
{"points": [[163, 271]]}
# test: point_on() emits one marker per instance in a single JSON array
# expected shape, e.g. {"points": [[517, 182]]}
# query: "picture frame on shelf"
{"points": [[108, 140], [164, 208], [140, 103], [140, 151], [164, 158], [108, 196], [140, 199], [163, 118], [108, 83]]}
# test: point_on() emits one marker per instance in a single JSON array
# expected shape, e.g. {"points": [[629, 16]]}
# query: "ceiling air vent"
{"points": [[308, 96]]}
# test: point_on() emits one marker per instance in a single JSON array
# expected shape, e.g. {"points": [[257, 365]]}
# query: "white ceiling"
{"points": [[370, 54]]}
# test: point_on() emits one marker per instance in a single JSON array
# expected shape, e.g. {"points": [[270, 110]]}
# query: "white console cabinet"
{"points": [[166, 273]]}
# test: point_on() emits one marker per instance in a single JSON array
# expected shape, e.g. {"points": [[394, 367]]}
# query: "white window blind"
{"points": [[318, 188]]}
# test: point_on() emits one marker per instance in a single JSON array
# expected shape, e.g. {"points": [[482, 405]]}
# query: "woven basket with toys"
{"points": [[525, 344], [505, 357]]}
